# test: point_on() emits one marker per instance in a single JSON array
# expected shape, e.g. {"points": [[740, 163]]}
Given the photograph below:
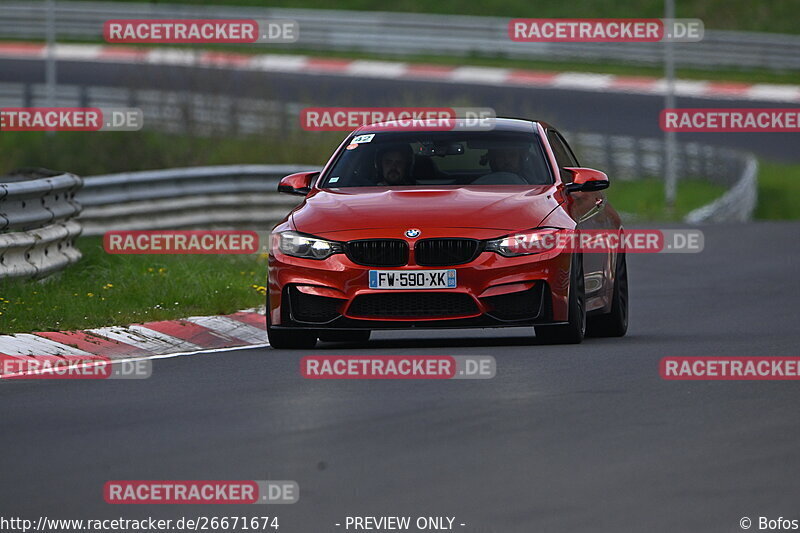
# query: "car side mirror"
{"points": [[298, 183], [586, 179]]}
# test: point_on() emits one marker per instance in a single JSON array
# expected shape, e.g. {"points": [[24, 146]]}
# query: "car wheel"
{"points": [[615, 322], [345, 335], [573, 331]]}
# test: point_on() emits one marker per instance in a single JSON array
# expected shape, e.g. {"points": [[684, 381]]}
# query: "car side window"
{"points": [[563, 153]]}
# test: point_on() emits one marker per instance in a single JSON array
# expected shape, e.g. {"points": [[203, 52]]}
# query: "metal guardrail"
{"points": [[167, 111], [33, 203], [245, 195], [209, 197], [410, 33], [630, 158], [736, 205], [37, 226]]}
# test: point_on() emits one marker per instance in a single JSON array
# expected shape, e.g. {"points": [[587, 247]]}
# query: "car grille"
{"points": [[520, 305], [444, 252], [413, 305], [378, 252], [313, 308]]}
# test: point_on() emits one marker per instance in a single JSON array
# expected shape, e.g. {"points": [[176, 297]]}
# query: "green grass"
{"points": [[105, 289], [644, 199], [778, 191], [93, 153], [771, 15]]}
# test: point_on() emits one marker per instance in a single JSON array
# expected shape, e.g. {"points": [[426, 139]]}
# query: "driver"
{"points": [[507, 165], [394, 164], [506, 160]]}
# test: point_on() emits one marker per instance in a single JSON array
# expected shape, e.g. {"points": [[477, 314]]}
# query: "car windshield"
{"points": [[412, 159]]}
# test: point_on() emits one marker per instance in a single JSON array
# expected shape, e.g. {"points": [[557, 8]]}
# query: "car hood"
{"points": [[504, 208]]}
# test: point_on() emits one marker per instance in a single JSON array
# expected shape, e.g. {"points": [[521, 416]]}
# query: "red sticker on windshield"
{"points": [[351, 146]]}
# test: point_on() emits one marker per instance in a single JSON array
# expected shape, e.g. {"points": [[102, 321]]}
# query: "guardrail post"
{"points": [[27, 96], [83, 96], [610, 152]]}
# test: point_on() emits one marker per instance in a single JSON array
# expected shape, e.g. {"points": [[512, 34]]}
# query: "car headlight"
{"points": [[307, 246], [527, 242]]}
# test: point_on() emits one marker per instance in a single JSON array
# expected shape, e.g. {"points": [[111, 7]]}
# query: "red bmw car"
{"points": [[427, 228]]}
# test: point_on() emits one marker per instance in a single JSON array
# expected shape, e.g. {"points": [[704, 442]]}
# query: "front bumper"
{"points": [[492, 291]]}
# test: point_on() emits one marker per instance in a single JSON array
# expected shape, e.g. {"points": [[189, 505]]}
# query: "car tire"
{"points": [[615, 322], [344, 335], [574, 330]]}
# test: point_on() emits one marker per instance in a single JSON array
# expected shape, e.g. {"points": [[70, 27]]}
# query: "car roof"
{"points": [[500, 124]]}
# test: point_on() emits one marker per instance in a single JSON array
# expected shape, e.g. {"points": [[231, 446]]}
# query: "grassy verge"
{"points": [[644, 199], [105, 289], [778, 195], [773, 16], [778, 191], [93, 153]]}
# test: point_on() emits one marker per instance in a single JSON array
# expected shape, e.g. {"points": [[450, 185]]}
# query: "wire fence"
{"points": [[411, 33]]}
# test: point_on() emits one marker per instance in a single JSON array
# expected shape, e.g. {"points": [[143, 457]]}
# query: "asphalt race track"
{"points": [[569, 438], [572, 110]]}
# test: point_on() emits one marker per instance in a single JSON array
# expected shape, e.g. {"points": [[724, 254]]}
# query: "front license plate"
{"points": [[412, 279]]}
